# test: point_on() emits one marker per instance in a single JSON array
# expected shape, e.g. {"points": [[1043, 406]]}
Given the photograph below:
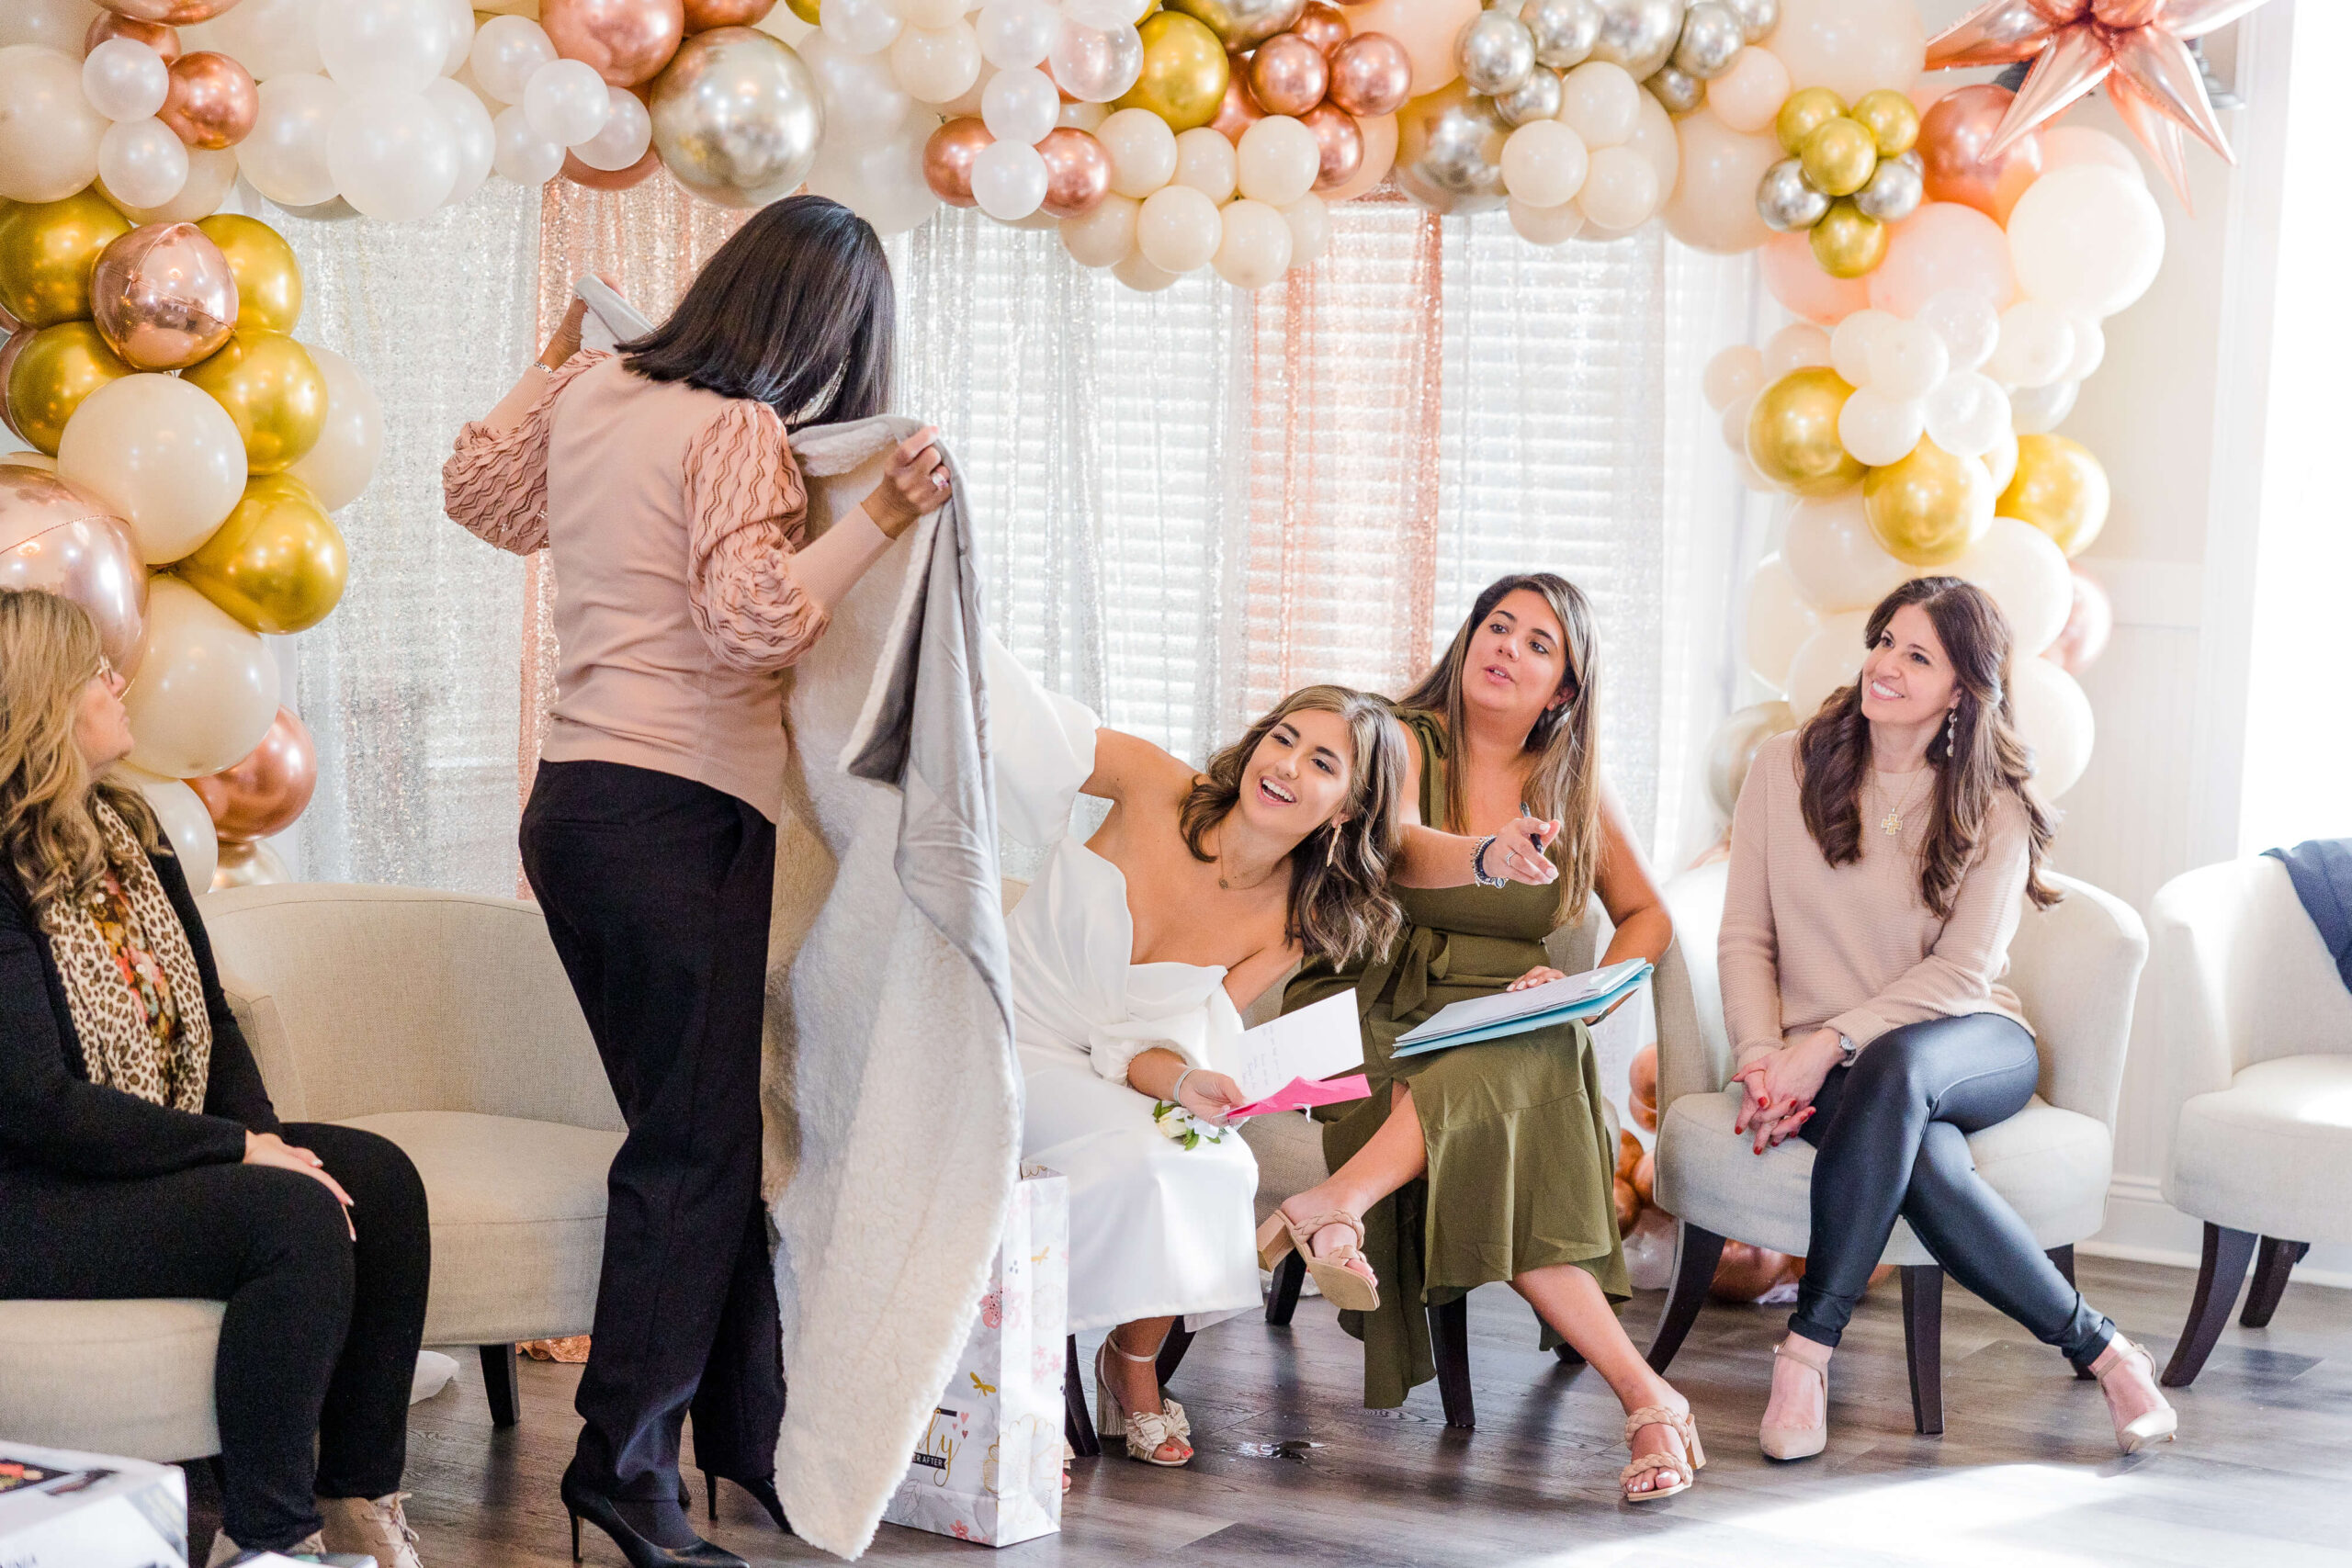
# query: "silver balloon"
{"points": [[1639, 35], [1244, 23], [1710, 36], [1538, 97], [1496, 52], [1785, 201], [1894, 190], [1757, 17], [737, 117], [1733, 748], [1564, 30], [1449, 154], [1676, 89]]}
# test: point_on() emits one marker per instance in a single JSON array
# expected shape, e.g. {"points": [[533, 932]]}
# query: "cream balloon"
{"points": [[163, 455], [143, 161], [1178, 229], [472, 134], [1836, 563], [1009, 180], [1733, 749], [2025, 571], [2087, 239], [1621, 189], [1850, 46], [520, 153], [1734, 373], [1906, 361], [1138, 273], [186, 823], [1425, 28], [1712, 207], [269, 37], [206, 689], [1830, 658], [567, 102], [1600, 103], [124, 79], [340, 466], [937, 65], [1253, 248], [394, 46], [1747, 96], [392, 154], [2053, 718], [1142, 150], [1545, 225], [49, 132], [1104, 236], [1544, 163], [211, 171], [1778, 622], [1277, 160], [285, 155], [1800, 345], [507, 51], [2036, 346], [1849, 344], [1656, 140], [1878, 429], [1207, 163], [60, 24]]}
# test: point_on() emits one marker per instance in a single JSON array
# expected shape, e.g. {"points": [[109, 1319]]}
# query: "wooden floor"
{"points": [[1293, 1470]]}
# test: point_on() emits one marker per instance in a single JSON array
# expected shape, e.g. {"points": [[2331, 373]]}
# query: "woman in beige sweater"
{"points": [[1881, 859]]}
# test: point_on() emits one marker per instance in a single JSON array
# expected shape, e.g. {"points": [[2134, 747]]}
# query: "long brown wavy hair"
{"points": [[1565, 782], [49, 653], [1340, 905], [1976, 755]]}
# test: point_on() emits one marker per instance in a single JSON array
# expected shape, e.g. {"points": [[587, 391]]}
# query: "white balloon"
{"points": [[1833, 557], [163, 455], [285, 155], [861, 27], [522, 154], [2025, 571], [1850, 344], [2087, 238], [1179, 230], [470, 133], [2039, 409], [1095, 64], [351, 441], [1008, 180], [883, 184], [567, 102], [2037, 343], [211, 171], [1877, 429], [393, 155], [1967, 322], [1545, 225], [1967, 414], [269, 37], [1310, 230], [1600, 103], [61, 25], [1277, 160], [1138, 273], [180, 813], [1544, 163], [124, 79], [1797, 347], [1849, 47], [207, 688], [626, 132], [1734, 373], [2090, 348], [864, 106], [49, 132], [506, 51], [937, 65], [1209, 164], [1620, 188], [1778, 622], [1019, 105], [2001, 462], [1104, 236], [1014, 33], [1255, 249], [2054, 719], [1142, 150], [1830, 658], [1734, 430], [1906, 360], [393, 46], [143, 161], [458, 31]]}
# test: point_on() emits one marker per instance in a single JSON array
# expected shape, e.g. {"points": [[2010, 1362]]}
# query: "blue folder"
{"points": [[1579, 996]]}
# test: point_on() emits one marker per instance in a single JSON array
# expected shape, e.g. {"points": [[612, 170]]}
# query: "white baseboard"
{"points": [[2142, 1228]]}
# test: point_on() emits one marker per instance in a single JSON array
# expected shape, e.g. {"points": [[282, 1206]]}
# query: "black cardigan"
{"points": [[53, 1118]]}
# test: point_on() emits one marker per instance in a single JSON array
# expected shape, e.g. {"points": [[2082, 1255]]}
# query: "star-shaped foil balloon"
{"points": [[2139, 49]]}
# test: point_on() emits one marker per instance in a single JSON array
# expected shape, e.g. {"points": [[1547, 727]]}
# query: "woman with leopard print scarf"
{"points": [[138, 1154]]}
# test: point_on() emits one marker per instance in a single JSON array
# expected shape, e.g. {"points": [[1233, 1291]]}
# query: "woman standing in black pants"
{"points": [[1881, 859], [139, 1154], [661, 480]]}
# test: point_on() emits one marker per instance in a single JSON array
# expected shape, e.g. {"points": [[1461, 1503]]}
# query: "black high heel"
{"points": [[581, 1503], [761, 1491]]}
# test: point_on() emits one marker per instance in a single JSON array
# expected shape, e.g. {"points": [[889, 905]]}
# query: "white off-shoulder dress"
{"points": [[1156, 1229]]}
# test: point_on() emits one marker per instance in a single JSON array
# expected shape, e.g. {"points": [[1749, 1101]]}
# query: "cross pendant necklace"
{"points": [[1893, 822]]}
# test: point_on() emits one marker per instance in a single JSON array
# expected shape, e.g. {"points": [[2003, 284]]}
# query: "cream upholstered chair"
{"points": [[2257, 1027], [2073, 966], [131, 1378]]}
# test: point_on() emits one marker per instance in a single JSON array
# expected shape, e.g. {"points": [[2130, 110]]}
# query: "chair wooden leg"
{"points": [[498, 1380], [1450, 1349], [1281, 1300], [1171, 1351], [1923, 1340], [1696, 1253], [1078, 1422], [2218, 1273], [2277, 1261]]}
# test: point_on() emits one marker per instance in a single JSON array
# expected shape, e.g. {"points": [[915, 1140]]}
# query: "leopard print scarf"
{"points": [[131, 984]]}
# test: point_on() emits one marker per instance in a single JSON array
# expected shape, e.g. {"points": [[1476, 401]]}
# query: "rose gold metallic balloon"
{"points": [[164, 41], [1340, 141], [1953, 135], [1325, 26], [1239, 110], [637, 173], [164, 295], [947, 159], [212, 100], [58, 536], [703, 14], [172, 13], [1288, 75], [1371, 75], [1077, 172], [627, 41], [263, 794]]}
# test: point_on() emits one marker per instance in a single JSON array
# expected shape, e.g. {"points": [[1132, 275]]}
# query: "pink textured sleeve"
{"points": [[495, 484], [746, 509]]}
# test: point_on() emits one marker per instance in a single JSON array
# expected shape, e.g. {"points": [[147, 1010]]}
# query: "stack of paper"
{"points": [[1284, 1065], [1585, 996], [64, 1509]]}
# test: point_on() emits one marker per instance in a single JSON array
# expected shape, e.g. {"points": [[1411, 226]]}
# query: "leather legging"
{"points": [[1893, 1131]]}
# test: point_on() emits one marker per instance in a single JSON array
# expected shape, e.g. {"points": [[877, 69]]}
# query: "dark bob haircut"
{"points": [[796, 311]]}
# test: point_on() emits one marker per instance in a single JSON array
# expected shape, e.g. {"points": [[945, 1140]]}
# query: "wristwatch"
{"points": [[1846, 1050]]}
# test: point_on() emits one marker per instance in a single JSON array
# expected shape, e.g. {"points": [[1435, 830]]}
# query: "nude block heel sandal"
{"points": [[1688, 1464], [1341, 1285], [1146, 1431], [1797, 1442]]}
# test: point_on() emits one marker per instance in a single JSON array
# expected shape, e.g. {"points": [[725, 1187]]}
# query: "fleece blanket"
{"points": [[893, 1126]]}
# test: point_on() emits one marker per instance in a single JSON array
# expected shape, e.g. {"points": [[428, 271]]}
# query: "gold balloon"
{"points": [[278, 564], [1839, 156], [47, 249], [52, 374], [1184, 72], [273, 389], [1803, 111], [1891, 117], [269, 280], [2060, 488], [804, 9], [1927, 508], [1792, 433], [1848, 242]]}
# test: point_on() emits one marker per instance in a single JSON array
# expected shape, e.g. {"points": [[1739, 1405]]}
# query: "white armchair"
{"points": [[2074, 967], [2256, 1029]]}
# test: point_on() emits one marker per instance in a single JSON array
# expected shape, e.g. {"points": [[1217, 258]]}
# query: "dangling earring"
{"points": [[1952, 730], [1332, 848]]}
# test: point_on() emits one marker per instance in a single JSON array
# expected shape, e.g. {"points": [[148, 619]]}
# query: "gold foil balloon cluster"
{"points": [[1850, 171]]}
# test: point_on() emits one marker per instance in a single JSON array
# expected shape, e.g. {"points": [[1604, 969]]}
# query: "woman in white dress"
{"points": [[1133, 954]]}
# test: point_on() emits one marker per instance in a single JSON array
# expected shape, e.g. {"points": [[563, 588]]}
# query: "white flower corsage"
{"points": [[1174, 1122]]}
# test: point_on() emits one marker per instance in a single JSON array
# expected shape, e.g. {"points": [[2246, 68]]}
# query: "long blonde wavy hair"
{"points": [[49, 655]]}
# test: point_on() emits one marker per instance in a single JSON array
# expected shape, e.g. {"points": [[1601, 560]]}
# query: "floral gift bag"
{"points": [[989, 1467]]}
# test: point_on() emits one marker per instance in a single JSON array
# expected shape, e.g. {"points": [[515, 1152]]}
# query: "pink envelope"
{"points": [[1300, 1093]]}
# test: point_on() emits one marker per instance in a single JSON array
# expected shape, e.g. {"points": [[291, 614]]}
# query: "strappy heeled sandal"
{"points": [[1341, 1285], [1797, 1442], [2158, 1425], [1146, 1431], [1688, 1464]]}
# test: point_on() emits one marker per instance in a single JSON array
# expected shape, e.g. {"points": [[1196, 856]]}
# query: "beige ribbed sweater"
{"points": [[1805, 944]]}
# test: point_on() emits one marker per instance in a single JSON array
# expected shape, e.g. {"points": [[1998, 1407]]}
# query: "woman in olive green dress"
{"points": [[1491, 1161]]}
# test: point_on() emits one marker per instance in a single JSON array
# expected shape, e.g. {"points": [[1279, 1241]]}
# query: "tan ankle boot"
{"points": [[372, 1527], [223, 1549]]}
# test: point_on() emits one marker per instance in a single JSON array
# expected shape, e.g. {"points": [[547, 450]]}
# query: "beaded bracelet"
{"points": [[1478, 871]]}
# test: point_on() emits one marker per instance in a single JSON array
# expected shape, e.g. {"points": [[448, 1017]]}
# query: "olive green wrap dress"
{"points": [[1521, 1171]]}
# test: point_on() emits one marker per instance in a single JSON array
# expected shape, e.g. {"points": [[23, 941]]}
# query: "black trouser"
{"points": [[1893, 1131], [320, 1336], [656, 892]]}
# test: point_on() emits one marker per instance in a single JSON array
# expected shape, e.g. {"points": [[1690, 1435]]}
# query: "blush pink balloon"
{"points": [[1943, 245], [2089, 625], [1796, 280]]}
